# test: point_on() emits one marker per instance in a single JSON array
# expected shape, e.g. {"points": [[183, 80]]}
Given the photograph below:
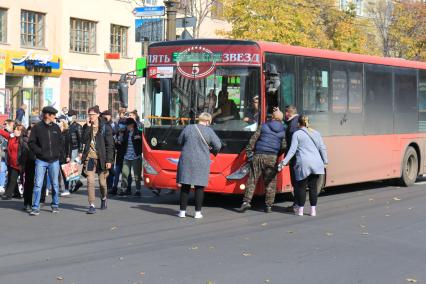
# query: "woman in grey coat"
{"points": [[194, 162], [311, 160]]}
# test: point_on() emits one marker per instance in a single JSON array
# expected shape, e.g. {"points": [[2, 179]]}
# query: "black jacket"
{"points": [[104, 143], [75, 132], [292, 126], [66, 142], [137, 143], [46, 141]]}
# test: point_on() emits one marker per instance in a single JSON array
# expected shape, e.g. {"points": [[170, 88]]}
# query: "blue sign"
{"points": [[149, 29], [149, 11]]}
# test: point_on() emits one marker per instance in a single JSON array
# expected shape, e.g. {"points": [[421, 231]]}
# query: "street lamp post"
{"points": [[171, 10]]}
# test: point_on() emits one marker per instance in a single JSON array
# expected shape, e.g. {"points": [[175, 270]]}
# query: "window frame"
{"points": [[77, 36], [113, 98], [123, 44], [37, 36], [3, 25], [79, 89]]}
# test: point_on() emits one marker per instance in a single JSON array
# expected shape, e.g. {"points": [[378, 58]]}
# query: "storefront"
{"points": [[30, 78]]}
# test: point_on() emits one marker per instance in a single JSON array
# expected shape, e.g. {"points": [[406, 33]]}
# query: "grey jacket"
{"points": [[310, 156], [194, 162]]}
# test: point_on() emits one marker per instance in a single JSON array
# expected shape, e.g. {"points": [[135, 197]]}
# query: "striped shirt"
{"points": [[130, 152]]}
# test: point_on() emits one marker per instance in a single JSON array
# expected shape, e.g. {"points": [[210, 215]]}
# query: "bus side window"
{"points": [[315, 84], [422, 100], [285, 94]]}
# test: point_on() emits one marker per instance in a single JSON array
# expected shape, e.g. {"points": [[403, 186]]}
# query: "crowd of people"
{"points": [[305, 153], [34, 150], [33, 155]]}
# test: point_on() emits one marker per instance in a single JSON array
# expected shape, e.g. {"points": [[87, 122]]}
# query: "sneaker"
{"points": [[104, 204], [65, 193], [268, 209], [28, 208], [54, 209], [244, 207], [299, 211], [198, 215], [137, 193], [313, 211], [182, 214], [34, 212], [92, 210], [77, 186]]}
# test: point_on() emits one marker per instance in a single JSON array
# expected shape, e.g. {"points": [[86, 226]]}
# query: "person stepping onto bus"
{"points": [[197, 141], [291, 120], [268, 144], [98, 156], [311, 159]]}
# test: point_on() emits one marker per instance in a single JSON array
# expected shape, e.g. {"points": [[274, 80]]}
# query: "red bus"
{"points": [[370, 110]]}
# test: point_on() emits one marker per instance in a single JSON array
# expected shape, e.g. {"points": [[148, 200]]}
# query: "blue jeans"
{"points": [[53, 172], [3, 170]]}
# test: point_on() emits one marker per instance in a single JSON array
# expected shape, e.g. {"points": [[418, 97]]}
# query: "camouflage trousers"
{"points": [[262, 166]]}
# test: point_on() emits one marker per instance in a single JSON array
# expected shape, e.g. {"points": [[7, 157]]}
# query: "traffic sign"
{"points": [[149, 11], [186, 22], [186, 35]]}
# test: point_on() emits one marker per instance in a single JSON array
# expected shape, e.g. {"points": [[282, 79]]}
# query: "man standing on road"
{"points": [[268, 144], [98, 156], [46, 143]]}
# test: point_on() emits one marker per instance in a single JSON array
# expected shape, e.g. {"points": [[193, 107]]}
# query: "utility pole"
{"points": [[171, 10]]}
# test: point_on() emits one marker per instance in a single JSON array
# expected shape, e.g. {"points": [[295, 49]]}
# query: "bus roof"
{"points": [[338, 55], [302, 51]]}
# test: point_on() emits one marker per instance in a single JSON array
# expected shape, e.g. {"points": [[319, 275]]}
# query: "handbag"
{"points": [[211, 150]]}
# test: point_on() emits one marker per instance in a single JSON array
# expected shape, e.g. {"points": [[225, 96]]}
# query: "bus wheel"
{"points": [[410, 167]]}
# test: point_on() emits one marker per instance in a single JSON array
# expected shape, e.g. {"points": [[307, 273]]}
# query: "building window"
{"points": [[217, 10], [343, 5], [82, 36], [82, 95], [3, 25], [119, 39], [113, 98], [32, 29]]}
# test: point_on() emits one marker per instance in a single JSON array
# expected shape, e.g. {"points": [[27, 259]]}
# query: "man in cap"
{"points": [[46, 143], [97, 156]]}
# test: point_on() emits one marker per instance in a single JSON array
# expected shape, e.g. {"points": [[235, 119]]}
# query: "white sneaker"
{"points": [[313, 211], [299, 211], [198, 215], [182, 214], [65, 193], [21, 189]]}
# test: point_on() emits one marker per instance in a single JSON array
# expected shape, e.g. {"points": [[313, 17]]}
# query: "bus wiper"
{"points": [[169, 131]]}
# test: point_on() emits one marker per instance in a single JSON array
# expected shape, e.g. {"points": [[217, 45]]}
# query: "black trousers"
{"points": [[184, 196], [300, 190], [29, 183], [12, 181]]}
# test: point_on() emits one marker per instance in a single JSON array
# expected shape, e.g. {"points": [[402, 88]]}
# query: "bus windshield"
{"points": [[231, 94]]}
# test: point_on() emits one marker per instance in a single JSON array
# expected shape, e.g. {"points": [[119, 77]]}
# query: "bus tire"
{"points": [[410, 167]]}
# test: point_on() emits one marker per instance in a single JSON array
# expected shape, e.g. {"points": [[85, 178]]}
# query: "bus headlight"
{"points": [[148, 168], [240, 173]]}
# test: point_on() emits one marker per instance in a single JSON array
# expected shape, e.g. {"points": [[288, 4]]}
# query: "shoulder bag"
{"points": [[205, 142]]}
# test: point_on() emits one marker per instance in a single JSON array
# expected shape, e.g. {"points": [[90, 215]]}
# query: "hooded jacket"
{"points": [[271, 138]]}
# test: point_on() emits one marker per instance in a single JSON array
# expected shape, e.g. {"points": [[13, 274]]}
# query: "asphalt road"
{"points": [[369, 233]]}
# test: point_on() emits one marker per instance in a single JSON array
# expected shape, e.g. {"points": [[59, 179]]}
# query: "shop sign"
{"points": [[161, 72], [32, 63]]}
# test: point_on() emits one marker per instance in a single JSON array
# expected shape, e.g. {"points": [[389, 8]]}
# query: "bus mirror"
{"points": [[141, 64]]}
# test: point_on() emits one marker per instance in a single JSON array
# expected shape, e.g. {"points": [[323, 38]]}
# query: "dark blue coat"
{"points": [[270, 140]]}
